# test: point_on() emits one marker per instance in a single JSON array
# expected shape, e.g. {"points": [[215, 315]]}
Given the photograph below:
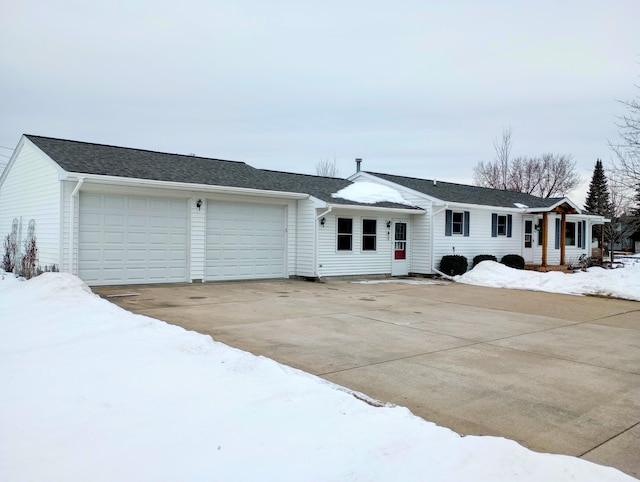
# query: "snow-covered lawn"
{"points": [[90, 392], [617, 283]]}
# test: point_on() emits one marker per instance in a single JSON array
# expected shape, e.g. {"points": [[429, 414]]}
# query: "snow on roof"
{"points": [[370, 193], [521, 206]]}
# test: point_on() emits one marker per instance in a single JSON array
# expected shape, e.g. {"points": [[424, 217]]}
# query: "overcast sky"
{"points": [[419, 88]]}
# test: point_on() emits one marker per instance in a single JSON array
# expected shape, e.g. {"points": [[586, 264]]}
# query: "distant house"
{"points": [[115, 215]]}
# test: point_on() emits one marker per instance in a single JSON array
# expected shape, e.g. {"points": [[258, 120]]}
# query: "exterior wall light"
{"points": [[199, 204], [322, 221]]}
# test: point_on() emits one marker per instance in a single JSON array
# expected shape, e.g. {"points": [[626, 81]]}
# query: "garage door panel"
{"points": [[245, 241], [113, 202], [128, 239]]}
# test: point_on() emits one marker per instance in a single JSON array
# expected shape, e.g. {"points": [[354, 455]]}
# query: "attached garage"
{"points": [[132, 240], [245, 241]]}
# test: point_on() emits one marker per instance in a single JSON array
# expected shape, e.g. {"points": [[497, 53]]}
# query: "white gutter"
{"points": [[376, 208], [185, 186], [72, 212], [326, 212]]}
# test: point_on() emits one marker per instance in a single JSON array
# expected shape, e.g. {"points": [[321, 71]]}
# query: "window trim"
{"points": [[344, 234], [448, 223], [576, 235], [495, 224], [370, 235]]}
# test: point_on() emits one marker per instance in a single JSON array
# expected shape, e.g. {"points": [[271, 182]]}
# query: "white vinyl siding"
{"points": [[131, 240], [305, 244], [334, 262], [420, 227], [479, 240], [197, 243], [31, 190], [245, 241], [291, 235]]}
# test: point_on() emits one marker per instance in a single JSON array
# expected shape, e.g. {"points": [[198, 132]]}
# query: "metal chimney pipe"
{"points": [[358, 161]]}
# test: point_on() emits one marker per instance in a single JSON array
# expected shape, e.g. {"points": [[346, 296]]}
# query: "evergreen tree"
{"points": [[598, 198]]}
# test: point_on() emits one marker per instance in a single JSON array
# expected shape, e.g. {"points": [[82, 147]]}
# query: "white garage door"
{"points": [[127, 239], [245, 241]]}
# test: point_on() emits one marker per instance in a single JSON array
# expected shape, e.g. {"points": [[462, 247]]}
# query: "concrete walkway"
{"points": [[556, 373]]}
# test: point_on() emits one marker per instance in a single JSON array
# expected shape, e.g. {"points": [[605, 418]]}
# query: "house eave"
{"points": [[183, 186], [360, 207]]}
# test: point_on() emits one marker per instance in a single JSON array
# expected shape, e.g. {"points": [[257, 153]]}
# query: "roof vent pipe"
{"points": [[358, 161], [435, 183]]}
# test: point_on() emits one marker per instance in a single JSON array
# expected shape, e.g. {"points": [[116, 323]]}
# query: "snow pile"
{"points": [[407, 281], [89, 391], [370, 193], [618, 283]]}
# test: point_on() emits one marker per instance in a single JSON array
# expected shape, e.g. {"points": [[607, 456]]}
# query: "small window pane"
{"points": [[502, 225], [570, 234], [345, 225], [344, 242], [457, 223], [368, 226], [345, 230]]}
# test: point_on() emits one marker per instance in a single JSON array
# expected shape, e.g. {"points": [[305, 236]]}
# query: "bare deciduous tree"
{"points": [[546, 176], [495, 174], [328, 168], [627, 150]]}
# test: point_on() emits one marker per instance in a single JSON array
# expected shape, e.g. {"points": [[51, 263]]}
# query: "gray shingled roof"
{"points": [[461, 193], [88, 158], [318, 186]]}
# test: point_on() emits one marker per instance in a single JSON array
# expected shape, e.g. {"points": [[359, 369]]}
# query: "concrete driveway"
{"points": [[556, 373]]}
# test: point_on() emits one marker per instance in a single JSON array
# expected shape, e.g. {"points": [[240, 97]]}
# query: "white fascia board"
{"points": [[16, 153], [553, 206], [317, 203], [479, 207], [359, 207], [183, 186], [394, 185]]}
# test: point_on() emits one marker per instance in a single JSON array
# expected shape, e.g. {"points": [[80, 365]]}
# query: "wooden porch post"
{"points": [[545, 231], [563, 237]]}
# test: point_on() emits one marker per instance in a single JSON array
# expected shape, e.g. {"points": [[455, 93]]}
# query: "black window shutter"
{"points": [[466, 223], [584, 234], [494, 225], [558, 233], [448, 222], [509, 225]]}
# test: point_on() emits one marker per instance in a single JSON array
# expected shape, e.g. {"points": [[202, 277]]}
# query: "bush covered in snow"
{"points": [[513, 261], [483, 257]]}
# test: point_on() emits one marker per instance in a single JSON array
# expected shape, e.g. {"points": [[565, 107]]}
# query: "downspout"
{"points": [[433, 263], [72, 212], [316, 269]]}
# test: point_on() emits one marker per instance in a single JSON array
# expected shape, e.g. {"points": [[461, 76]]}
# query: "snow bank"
{"points": [[370, 193], [618, 283], [89, 391]]}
